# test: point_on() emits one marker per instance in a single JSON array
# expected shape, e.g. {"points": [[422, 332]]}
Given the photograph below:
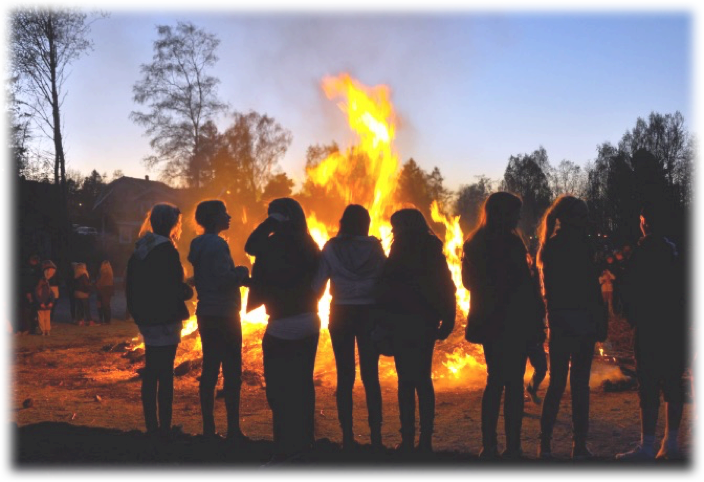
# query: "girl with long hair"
{"points": [[156, 295], [418, 294], [505, 316], [576, 316]]}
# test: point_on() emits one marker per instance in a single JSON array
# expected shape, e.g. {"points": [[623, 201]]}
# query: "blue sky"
{"points": [[471, 87]]}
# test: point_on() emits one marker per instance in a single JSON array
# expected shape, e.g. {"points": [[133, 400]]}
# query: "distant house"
{"points": [[122, 207], [123, 204]]}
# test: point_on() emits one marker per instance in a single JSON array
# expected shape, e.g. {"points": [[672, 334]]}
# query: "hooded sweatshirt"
{"points": [[353, 265], [154, 288], [217, 280]]}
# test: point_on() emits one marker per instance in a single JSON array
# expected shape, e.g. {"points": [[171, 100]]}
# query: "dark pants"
{"points": [[347, 323], [158, 384], [413, 344], [539, 361], [505, 366], [659, 369], [27, 313], [83, 309], [104, 308], [288, 371], [569, 354], [221, 338]]}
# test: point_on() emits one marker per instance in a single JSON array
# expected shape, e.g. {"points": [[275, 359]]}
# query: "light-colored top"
{"points": [[294, 327], [161, 335], [606, 280]]}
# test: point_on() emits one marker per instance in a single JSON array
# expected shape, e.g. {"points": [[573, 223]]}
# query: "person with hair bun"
{"points": [[506, 316], [576, 316], [156, 295]]}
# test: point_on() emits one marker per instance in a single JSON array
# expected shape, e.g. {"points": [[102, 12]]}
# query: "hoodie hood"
{"points": [[147, 243], [356, 256], [201, 244]]}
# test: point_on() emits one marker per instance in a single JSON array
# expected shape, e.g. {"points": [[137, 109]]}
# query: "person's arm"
{"points": [[322, 276], [259, 236], [447, 291], [223, 268]]}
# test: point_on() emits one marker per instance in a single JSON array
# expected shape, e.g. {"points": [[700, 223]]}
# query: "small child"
{"points": [[44, 299], [217, 281]]}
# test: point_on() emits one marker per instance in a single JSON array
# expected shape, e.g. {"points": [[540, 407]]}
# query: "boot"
{"points": [[377, 444], [232, 406], [580, 450], [425, 443], [545, 448]]}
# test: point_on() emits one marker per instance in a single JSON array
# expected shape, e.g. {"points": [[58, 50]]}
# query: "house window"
{"points": [[125, 234]]}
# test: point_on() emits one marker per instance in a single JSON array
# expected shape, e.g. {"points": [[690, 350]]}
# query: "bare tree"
{"points": [[41, 39], [180, 98]]}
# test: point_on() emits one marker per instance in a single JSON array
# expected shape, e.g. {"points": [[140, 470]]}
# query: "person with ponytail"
{"points": [[506, 315], [156, 295], [576, 316]]}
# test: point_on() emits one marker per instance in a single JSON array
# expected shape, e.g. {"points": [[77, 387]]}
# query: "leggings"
{"points": [[158, 385]]}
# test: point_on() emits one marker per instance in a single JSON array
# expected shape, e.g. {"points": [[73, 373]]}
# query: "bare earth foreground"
{"points": [[76, 403]]}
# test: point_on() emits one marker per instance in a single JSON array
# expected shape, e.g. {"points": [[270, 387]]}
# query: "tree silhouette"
{"points": [[181, 98]]}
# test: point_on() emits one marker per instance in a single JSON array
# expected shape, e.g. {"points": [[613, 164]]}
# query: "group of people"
{"points": [[40, 293], [400, 305]]}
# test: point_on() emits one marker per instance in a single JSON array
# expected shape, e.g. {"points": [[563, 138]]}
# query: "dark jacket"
{"points": [[504, 295], [282, 274], [154, 287], [417, 281], [571, 282], [353, 265], [43, 295], [654, 295]]}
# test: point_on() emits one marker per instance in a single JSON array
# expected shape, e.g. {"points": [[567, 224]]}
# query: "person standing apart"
{"points": [[81, 292], [654, 295], [44, 301], [217, 282]]}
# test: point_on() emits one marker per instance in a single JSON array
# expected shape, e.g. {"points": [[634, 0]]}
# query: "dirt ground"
{"points": [[75, 400]]}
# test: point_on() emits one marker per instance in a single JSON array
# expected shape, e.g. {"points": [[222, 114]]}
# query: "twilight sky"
{"points": [[471, 87]]}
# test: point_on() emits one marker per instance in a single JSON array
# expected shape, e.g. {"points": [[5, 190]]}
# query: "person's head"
{"points": [[500, 213], [106, 267], [212, 216], [49, 269], [610, 260], [355, 221], [571, 212], [651, 219], [34, 259], [292, 211], [409, 221], [165, 219]]}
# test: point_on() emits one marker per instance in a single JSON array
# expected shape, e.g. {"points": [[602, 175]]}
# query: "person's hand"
{"points": [[443, 332], [279, 217], [41, 305], [242, 271], [29, 297]]}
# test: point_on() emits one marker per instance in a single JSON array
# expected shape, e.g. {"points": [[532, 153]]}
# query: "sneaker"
{"points": [[405, 447], [581, 452], [533, 394], [637, 454], [669, 452], [278, 460]]}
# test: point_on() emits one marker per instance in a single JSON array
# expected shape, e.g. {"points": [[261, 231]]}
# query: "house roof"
{"points": [[140, 185]]}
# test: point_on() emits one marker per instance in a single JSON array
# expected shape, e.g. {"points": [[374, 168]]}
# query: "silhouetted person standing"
{"points": [[286, 261], [506, 315], [417, 292], [156, 295], [105, 286], [218, 281], [576, 316], [654, 302], [353, 261]]}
